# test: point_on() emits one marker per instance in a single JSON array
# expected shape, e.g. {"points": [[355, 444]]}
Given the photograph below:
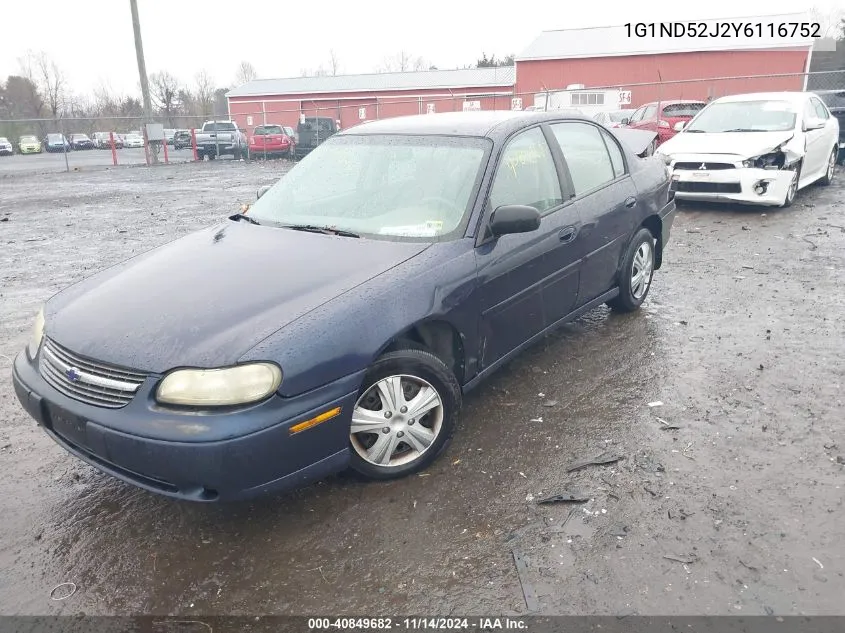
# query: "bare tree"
{"points": [[334, 63], [45, 73], [165, 91], [246, 72], [830, 21], [204, 94], [402, 62]]}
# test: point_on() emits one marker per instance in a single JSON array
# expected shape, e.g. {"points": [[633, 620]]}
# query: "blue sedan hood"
{"points": [[206, 299]]}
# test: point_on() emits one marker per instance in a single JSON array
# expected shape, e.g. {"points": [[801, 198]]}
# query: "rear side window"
{"points": [[615, 154], [526, 174], [682, 109], [586, 155]]}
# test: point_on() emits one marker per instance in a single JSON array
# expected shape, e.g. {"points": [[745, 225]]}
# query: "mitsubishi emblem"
{"points": [[703, 166]]}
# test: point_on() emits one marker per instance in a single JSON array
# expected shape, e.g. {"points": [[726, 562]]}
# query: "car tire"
{"points": [[831, 168], [636, 273], [399, 444], [792, 190]]}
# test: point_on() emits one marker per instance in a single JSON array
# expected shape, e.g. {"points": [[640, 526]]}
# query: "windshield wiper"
{"points": [[696, 130], [326, 230], [243, 216], [743, 129]]}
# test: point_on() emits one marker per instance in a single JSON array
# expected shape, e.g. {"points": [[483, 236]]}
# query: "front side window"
{"points": [[381, 186], [821, 111], [586, 155], [649, 112], [638, 115], [526, 174]]}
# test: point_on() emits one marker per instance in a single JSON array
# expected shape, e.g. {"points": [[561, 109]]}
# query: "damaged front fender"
{"points": [[783, 156]]}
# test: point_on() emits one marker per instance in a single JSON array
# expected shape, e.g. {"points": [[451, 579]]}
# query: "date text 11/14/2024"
{"points": [[417, 624], [723, 29]]}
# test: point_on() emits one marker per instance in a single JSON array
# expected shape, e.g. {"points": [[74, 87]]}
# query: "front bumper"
{"points": [[214, 457], [30, 149], [732, 185]]}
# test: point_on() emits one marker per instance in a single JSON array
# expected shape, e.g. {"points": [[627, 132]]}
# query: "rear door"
{"points": [[517, 272], [605, 200]]}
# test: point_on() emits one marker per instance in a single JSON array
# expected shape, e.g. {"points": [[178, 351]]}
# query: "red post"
{"points": [[113, 149], [165, 149], [194, 142]]}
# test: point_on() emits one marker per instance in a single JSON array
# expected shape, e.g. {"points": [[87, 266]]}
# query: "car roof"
{"points": [[671, 101], [493, 124], [792, 97]]}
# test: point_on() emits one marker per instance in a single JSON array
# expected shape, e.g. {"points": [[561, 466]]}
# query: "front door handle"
{"points": [[567, 234], [630, 202]]}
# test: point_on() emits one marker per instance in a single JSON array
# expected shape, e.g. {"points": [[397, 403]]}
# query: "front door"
{"points": [[518, 272]]}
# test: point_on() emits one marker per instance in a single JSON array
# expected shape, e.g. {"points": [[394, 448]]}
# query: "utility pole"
{"points": [[142, 71]]}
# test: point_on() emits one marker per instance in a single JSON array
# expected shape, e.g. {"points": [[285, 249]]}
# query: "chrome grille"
{"points": [[87, 380], [707, 166]]}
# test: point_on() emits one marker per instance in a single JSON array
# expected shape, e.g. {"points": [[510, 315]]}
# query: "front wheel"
{"points": [[636, 273], [405, 415], [792, 190]]}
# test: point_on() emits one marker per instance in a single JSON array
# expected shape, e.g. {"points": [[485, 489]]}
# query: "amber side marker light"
{"points": [[326, 415]]}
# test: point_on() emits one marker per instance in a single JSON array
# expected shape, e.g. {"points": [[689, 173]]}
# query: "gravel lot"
{"points": [[737, 511]]}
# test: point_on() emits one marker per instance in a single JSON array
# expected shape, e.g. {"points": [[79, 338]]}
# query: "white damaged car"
{"points": [[753, 148]]}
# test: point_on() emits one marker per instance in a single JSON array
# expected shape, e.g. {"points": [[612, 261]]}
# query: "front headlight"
{"points": [[241, 384], [772, 160], [37, 335]]}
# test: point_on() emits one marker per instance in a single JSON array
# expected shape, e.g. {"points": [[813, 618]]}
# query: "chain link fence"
{"points": [[287, 111]]}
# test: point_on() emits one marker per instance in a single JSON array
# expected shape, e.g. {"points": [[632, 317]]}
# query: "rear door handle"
{"points": [[630, 202], [567, 234]]}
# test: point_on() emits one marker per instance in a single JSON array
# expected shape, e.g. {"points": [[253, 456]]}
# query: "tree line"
{"points": [[39, 99]]}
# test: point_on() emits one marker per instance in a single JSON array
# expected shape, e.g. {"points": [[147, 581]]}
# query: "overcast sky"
{"points": [[93, 43]]}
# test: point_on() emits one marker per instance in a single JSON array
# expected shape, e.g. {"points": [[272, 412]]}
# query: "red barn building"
{"points": [[611, 57], [614, 57], [356, 98]]}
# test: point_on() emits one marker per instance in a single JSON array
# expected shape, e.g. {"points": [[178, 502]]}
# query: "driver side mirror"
{"points": [[262, 191], [514, 218], [625, 121], [680, 125], [813, 124]]}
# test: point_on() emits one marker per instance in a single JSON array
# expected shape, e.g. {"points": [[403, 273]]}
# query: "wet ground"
{"points": [[737, 511]]}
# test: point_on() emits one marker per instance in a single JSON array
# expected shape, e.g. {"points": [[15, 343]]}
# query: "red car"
{"points": [[645, 117], [272, 140]]}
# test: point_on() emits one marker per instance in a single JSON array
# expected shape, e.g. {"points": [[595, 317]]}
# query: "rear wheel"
{"points": [[831, 168], [636, 273], [405, 415]]}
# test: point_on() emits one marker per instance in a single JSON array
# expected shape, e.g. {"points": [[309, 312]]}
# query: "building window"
{"points": [[588, 98]]}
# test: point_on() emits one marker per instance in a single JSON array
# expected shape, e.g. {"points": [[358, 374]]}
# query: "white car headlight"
{"points": [[241, 384], [37, 335]]}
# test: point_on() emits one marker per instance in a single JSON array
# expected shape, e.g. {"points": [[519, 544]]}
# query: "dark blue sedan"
{"points": [[339, 321]]}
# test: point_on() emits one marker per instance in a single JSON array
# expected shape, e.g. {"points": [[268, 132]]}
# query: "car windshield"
{"points": [[390, 187], [745, 116], [617, 117], [80, 137], [219, 127], [682, 109], [268, 129], [28, 139], [57, 138]]}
